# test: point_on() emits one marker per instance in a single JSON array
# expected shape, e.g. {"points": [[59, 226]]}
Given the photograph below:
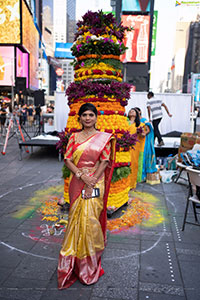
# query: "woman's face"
{"points": [[132, 113], [88, 119]]}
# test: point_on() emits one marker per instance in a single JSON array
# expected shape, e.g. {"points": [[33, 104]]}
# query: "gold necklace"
{"points": [[88, 132]]}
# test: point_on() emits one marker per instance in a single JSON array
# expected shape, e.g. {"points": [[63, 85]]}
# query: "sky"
{"points": [[82, 6]]}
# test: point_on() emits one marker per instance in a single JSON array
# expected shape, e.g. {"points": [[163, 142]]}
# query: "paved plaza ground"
{"points": [[153, 260]]}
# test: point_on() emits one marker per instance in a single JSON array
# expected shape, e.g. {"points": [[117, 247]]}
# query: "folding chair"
{"points": [[194, 180], [181, 167]]}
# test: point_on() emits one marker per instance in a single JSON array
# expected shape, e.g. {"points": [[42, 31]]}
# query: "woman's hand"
{"points": [[89, 180], [88, 192]]}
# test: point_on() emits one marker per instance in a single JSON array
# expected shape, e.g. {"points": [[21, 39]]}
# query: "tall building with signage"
{"points": [[139, 15], [192, 58], [63, 53], [180, 47], [19, 47], [47, 27]]}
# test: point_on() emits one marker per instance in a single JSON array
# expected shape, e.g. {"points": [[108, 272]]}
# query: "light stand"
{"points": [[14, 123]]}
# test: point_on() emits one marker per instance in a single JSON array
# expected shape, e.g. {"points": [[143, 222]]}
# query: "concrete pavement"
{"points": [[153, 260]]}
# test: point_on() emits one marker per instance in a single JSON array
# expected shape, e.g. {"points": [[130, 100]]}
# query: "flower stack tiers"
{"points": [[98, 79]]}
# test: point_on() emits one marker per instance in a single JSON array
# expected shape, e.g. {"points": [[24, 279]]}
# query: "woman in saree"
{"points": [[136, 154], [90, 157], [149, 155]]}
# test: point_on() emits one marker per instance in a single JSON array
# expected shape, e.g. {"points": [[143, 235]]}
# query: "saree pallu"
{"points": [[149, 157], [136, 157], [85, 237]]}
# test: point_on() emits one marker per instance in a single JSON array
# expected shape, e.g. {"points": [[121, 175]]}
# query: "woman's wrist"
{"points": [[78, 174]]}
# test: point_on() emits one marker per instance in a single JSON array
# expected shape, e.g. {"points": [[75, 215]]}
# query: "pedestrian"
{"points": [[90, 158], [38, 111], [30, 113], [136, 154], [3, 113], [154, 107], [149, 157], [24, 114]]}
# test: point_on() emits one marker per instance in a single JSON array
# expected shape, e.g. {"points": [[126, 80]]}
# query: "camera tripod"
{"points": [[17, 130]]}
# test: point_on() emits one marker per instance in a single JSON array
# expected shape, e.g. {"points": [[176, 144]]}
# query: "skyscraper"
{"points": [[64, 12], [71, 20]]}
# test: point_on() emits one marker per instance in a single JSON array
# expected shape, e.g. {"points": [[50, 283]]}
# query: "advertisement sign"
{"points": [[136, 40], [188, 3], [59, 72], [45, 76], [10, 22], [136, 5], [63, 50], [195, 86], [22, 65], [7, 66], [154, 32], [30, 40]]}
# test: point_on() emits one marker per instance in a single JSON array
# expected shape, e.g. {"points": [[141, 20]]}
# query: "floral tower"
{"points": [[97, 47]]}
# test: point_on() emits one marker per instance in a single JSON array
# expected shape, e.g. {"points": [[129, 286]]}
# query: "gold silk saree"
{"points": [[85, 236]]}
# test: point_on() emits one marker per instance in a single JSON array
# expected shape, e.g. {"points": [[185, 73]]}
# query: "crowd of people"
{"points": [[26, 114]]}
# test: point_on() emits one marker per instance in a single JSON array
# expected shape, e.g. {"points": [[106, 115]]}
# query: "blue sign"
{"points": [[62, 50], [136, 5]]}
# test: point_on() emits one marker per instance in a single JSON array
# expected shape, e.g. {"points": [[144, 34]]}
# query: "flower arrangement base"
{"points": [[111, 211]]}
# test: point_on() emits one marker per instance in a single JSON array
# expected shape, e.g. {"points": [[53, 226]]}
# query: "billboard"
{"points": [[154, 33], [188, 3], [10, 22], [195, 86], [7, 65], [62, 50], [30, 41], [22, 65], [136, 40], [136, 5]]}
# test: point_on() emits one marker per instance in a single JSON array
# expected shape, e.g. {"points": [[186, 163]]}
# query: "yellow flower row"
{"points": [[82, 39], [120, 185], [116, 106], [66, 194], [98, 76], [101, 66], [119, 199], [86, 27], [103, 122], [123, 157], [114, 200]]}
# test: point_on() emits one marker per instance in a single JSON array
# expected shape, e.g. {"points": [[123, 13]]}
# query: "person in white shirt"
{"points": [[154, 107]]}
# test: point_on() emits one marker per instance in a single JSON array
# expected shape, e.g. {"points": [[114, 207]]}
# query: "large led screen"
{"points": [[22, 65], [137, 40], [136, 5], [7, 66], [10, 22], [30, 40]]}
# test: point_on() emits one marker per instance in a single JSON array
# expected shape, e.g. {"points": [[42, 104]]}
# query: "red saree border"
{"points": [[69, 272]]}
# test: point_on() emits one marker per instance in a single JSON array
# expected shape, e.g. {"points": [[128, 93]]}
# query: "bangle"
{"points": [[78, 174]]}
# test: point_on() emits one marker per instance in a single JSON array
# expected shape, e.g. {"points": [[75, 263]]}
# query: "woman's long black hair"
{"points": [[137, 118]]}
